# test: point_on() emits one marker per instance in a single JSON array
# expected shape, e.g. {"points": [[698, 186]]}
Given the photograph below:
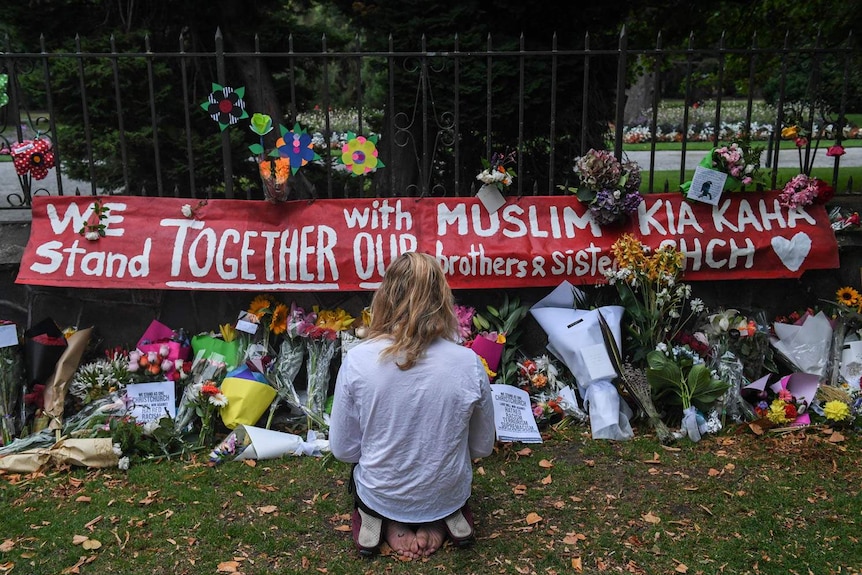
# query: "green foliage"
{"points": [[506, 320], [681, 382]]}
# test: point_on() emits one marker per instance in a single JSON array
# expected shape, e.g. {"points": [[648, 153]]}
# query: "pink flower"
{"points": [[836, 150]]}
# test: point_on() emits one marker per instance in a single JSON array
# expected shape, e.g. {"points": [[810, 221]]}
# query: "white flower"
{"points": [[92, 236], [118, 451], [164, 350], [218, 400], [150, 426], [188, 211], [123, 463]]}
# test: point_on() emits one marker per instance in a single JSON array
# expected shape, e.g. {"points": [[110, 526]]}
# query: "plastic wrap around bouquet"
{"points": [[248, 442], [248, 397], [575, 338], [806, 344]]}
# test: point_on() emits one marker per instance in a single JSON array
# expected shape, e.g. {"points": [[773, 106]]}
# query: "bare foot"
{"points": [[430, 537], [402, 539]]}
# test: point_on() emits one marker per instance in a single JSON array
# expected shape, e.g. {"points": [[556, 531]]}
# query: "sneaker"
{"points": [[459, 527], [367, 532]]}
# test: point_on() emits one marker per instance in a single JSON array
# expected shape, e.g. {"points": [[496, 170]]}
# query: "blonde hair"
{"points": [[413, 306]]}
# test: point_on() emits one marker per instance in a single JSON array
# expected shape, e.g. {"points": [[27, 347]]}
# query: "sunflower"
{"points": [[260, 305], [278, 324], [848, 296]]}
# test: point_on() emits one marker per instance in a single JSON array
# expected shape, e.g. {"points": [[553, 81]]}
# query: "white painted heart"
{"points": [[792, 252]]}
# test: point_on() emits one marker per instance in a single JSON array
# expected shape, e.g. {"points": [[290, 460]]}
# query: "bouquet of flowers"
{"points": [[654, 299], [496, 173], [542, 378], [203, 371], [609, 187], [207, 400], [101, 377], [284, 369], [679, 377], [11, 385], [321, 329], [803, 190], [739, 160]]}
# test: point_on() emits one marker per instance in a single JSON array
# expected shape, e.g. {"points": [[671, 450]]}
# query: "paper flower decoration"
{"points": [[297, 147], [225, 105], [4, 98], [33, 156], [359, 154]]}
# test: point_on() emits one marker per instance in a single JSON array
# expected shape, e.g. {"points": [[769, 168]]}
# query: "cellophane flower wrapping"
{"points": [[283, 374], [288, 361], [203, 369], [11, 386], [321, 350]]}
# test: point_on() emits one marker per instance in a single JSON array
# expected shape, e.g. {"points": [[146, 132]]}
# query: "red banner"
{"points": [[328, 245]]}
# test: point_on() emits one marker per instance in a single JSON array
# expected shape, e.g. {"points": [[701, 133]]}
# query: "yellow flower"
{"points": [[260, 305], [366, 316], [491, 374], [777, 414], [848, 296], [228, 332], [278, 324], [336, 320], [790, 132], [359, 155], [836, 410]]}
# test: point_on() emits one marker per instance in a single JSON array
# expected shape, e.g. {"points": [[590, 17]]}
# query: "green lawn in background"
{"points": [[849, 179]]}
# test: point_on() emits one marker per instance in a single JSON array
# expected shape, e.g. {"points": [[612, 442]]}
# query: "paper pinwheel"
{"points": [[33, 156], [225, 105], [359, 154], [297, 147]]}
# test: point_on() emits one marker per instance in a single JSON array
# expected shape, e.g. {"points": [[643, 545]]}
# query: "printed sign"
{"points": [[338, 245]]}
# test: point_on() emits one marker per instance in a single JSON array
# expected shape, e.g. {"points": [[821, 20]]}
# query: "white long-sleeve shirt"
{"points": [[413, 433]]}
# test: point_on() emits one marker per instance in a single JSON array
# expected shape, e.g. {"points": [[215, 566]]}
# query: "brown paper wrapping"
{"points": [[85, 452], [58, 384]]}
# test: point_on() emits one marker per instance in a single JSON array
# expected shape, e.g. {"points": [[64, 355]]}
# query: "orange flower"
{"points": [[282, 169], [278, 324]]}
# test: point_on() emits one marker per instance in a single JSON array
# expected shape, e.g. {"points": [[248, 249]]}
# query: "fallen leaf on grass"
{"points": [[91, 544], [78, 539], [250, 462], [577, 565], [519, 489], [524, 452], [228, 567], [267, 509], [650, 518], [573, 538], [480, 471], [82, 499], [681, 568], [835, 437], [546, 480], [533, 518], [6, 567], [713, 472], [7, 546], [343, 528], [655, 459], [546, 464]]}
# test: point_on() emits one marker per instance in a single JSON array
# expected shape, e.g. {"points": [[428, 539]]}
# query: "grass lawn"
{"points": [[735, 502], [849, 179]]}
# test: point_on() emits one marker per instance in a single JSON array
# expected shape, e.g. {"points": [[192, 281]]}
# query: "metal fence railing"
{"points": [[123, 121]]}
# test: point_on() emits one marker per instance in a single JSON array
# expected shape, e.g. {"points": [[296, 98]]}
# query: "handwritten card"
{"points": [[597, 362], [247, 323], [152, 401], [8, 335], [513, 415]]}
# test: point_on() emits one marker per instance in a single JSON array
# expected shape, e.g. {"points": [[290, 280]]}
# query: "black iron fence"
{"points": [[134, 122]]}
